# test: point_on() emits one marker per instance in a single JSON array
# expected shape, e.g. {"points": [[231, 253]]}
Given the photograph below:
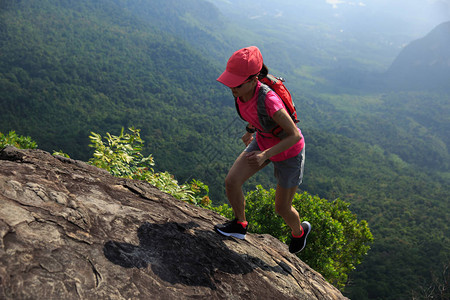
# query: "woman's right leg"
{"points": [[239, 173]]}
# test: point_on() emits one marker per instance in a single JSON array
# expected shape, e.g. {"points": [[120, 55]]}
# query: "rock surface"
{"points": [[72, 231]]}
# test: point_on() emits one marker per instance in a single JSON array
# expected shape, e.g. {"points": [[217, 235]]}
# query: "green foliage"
{"points": [[61, 153], [337, 242], [121, 156], [18, 141], [438, 289]]}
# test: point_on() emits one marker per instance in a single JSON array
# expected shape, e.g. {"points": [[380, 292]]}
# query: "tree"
{"points": [[438, 289]]}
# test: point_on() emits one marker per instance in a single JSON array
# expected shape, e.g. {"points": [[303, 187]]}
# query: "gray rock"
{"points": [[69, 230]]}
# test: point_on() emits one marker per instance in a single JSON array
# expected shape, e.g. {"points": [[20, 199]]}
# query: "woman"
{"points": [[241, 75]]}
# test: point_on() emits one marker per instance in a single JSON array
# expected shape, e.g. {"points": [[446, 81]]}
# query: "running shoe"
{"points": [[232, 228], [298, 243]]}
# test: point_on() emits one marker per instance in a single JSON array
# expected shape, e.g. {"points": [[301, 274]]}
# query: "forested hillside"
{"points": [[68, 68], [71, 68]]}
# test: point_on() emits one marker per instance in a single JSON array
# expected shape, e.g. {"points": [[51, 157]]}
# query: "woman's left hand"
{"points": [[256, 158]]}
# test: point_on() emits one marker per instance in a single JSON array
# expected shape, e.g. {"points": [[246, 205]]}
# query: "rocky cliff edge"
{"points": [[69, 230]]}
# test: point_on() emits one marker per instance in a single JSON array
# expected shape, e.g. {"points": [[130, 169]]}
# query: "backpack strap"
{"points": [[271, 128], [237, 108]]}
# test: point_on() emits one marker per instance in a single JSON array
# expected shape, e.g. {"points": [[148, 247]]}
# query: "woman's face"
{"points": [[246, 90]]}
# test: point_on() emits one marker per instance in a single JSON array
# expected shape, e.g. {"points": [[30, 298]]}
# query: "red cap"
{"points": [[242, 64]]}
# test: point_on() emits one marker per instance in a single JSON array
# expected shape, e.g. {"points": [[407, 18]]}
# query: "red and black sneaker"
{"points": [[298, 243], [232, 228]]}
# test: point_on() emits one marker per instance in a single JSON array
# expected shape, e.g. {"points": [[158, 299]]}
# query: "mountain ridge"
{"points": [[424, 64]]}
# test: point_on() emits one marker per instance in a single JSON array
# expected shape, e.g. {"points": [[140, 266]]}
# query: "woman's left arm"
{"points": [[282, 118]]}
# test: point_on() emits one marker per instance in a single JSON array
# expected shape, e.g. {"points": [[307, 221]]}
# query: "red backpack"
{"points": [[276, 84]]}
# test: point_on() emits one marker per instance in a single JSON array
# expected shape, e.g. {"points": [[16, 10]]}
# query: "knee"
{"points": [[232, 183]]}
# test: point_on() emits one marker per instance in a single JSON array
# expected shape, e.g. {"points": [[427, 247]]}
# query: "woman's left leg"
{"points": [[283, 207]]}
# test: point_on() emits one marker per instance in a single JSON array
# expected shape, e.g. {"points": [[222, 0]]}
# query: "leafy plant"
{"points": [[337, 242], [121, 156], [61, 153], [18, 141]]}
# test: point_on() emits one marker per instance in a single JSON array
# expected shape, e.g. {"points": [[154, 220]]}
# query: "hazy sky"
{"points": [[422, 15], [385, 26], [413, 18]]}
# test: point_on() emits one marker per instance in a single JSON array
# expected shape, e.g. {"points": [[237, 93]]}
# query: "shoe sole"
{"points": [[236, 235], [304, 244]]}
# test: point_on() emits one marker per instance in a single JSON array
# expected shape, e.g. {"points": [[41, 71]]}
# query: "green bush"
{"points": [[337, 242], [121, 156], [18, 141]]}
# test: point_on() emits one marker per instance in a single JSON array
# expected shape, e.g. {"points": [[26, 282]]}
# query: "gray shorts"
{"points": [[289, 172]]}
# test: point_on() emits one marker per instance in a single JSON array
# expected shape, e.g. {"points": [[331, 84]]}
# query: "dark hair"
{"points": [[263, 73]]}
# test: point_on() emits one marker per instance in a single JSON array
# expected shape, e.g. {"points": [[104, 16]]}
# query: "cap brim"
{"points": [[231, 80]]}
